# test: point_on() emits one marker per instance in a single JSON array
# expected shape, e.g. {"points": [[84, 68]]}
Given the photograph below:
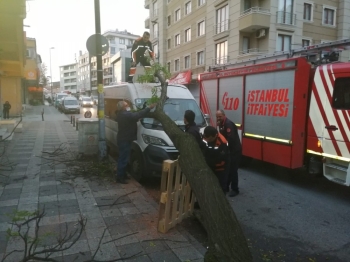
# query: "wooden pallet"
{"points": [[177, 199]]}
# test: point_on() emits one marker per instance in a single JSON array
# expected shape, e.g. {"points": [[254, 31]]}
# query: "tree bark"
{"points": [[220, 221]]}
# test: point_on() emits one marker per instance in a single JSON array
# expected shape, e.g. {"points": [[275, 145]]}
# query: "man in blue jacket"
{"points": [[127, 132]]}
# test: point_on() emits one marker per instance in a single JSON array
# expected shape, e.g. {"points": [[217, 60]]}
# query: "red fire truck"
{"points": [[291, 109]]}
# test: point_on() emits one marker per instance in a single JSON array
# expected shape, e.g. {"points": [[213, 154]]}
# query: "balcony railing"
{"points": [[286, 18], [253, 51], [254, 10], [222, 26], [221, 60]]}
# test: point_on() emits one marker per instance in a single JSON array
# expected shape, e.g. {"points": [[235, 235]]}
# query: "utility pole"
{"points": [[51, 73], [101, 107]]}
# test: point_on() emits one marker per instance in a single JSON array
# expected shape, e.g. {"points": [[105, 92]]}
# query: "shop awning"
{"points": [[183, 78]]}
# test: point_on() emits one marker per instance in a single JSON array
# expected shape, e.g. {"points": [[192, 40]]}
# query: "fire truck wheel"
{"points": [[137, 166]]}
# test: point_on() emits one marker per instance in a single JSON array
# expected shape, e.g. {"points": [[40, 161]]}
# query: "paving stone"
{"points": [[47, 199], [79, 246], [96, 232], [68, 196], [68, 203], [14, 185], [129, 210], [187, 253], [69, 217], [114, 220], [8, 203], [141, 258], [165, 255], [154, 246], [111, 212], [50, 220], [79, 257], [130, 249], [4, 226]]}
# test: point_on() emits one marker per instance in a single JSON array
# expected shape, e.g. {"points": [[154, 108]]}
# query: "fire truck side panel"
{"points": [[231, 99], [269, 103], [208, 99]]}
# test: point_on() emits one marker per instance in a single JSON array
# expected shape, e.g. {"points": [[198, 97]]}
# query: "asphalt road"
{"points": [[287, 216]]}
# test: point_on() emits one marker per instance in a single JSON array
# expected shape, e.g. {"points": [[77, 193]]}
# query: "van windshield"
{"points": [[70, 102], [175, 109], [60, 96]]}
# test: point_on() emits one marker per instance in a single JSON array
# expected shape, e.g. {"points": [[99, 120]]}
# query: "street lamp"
{"points": [[51, 72]]}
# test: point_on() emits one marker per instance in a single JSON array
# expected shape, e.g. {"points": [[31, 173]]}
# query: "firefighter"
{"points": [[216, 154], [229, 130], [140, 46], [191, 127]]}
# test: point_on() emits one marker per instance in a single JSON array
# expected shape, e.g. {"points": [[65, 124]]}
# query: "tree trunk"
{"points": [[220, 221]]}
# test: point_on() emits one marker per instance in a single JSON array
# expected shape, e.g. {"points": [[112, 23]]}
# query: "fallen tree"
{"points": [[228, 242]]}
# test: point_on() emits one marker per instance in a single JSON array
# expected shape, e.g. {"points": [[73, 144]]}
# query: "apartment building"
{"points": [[198, 34], [68, 78], [87, 80]]}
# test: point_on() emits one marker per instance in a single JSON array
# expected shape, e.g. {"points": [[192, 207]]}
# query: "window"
{"points": [[285, 12], [222, 19], [177, 65], [200, 58], [188, 7], [284, 43], [221, 53], [169, 20], [28, 53], [328, 16], [187, 61], [169, 43], [245, 45], [121, 41], [112, 40], [307, 12], [177, 40], [201, 2], [341, 93], [177, 15], [201, 28], [155, 30], [168, 66], [155, 50], [305, 42], [112, 50], [188, 35], [155, 8]]}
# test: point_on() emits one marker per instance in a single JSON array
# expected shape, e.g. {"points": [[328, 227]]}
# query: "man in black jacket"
{"points": [[216, 153], [229, 130], [140, 46], [127, 132], [191, 127]]}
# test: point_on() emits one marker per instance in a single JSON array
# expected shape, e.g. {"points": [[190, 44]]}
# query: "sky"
{"points": [[67, 24]]}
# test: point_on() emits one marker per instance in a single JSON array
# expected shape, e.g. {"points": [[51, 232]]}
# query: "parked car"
{"points": [[70, 105], [95, 99], [86, 101], [58, 97]]}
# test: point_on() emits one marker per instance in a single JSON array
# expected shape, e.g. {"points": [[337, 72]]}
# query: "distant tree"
{"points": [[44, 80]]}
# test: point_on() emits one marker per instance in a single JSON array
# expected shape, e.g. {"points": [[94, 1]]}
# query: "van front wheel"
{"points": [[137, 166]]}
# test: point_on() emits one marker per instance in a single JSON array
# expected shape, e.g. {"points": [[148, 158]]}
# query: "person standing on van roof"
{"points": [[140, 46], [229, 130], [127, 132], [191, 127]]}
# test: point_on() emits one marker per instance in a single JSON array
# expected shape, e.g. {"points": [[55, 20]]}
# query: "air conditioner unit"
{"points": [[261, 33]]}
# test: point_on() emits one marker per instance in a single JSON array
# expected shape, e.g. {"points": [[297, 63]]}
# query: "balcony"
{"points": [[147, 23], [147, 2], [222, 26], [286, 18], [221, 60], [155, 34], [254, 18], [252, 52]]}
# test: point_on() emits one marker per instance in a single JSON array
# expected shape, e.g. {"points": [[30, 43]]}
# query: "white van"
{"points": [[58, 98], [152, 145]]}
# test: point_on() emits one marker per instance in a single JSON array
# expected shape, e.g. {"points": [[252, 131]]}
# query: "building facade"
{"points": [[68, 78], [198, 34], [87, 67], [33, 91], [12, 54]]}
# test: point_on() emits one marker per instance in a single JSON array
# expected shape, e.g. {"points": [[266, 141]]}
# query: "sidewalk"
{"points": [[30, 186]]}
